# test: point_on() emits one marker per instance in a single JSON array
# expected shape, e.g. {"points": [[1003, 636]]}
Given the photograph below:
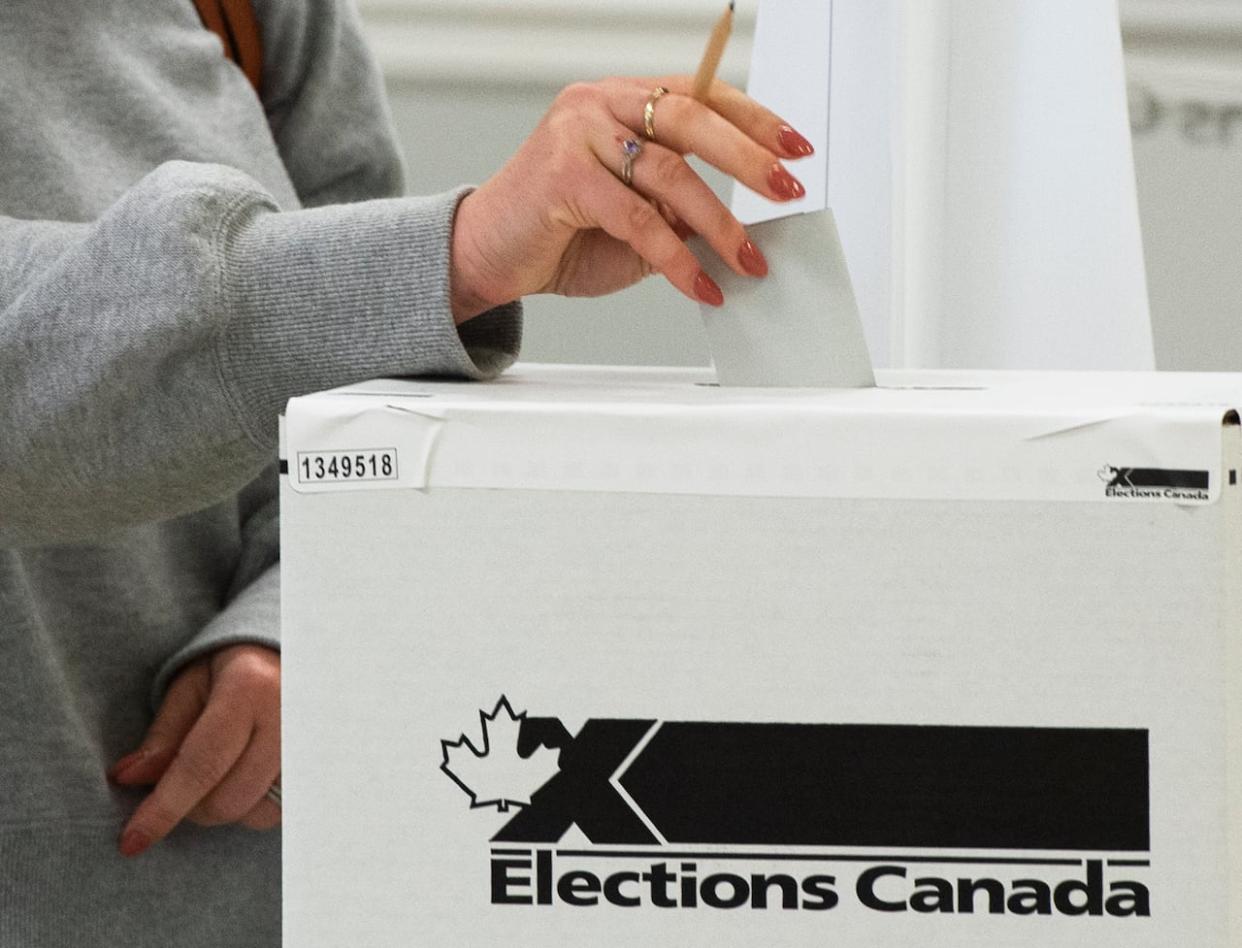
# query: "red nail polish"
{"points": [[705, 288], [784, 185], [133, 843], [752, 261], [794, 144]]}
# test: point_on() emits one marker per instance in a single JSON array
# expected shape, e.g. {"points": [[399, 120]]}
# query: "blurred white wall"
{"points": [[469, 78], [1184, 59]]}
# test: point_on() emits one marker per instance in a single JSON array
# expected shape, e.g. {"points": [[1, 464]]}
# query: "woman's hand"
{"points": [[557, 219], [213, 750]]}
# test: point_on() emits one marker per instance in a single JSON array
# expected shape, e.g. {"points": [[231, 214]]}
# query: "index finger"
{"points": [[214, 744], [761, 124]]}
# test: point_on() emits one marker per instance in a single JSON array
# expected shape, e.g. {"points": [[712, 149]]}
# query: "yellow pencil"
{"points": [[711, 56]]}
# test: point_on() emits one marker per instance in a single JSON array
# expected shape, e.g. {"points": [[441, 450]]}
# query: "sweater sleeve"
{"points": [[144, 357], [250, 612], [253, 618]]}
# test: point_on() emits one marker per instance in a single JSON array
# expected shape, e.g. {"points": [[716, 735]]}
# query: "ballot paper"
{"points": [[977, 157], [798, 326]]}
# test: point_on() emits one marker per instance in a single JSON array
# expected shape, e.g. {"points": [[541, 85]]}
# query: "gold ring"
{"points": [[649, 112]]}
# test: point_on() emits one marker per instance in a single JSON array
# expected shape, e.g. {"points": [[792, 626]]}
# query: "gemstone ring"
{"points": [[631, 148]]}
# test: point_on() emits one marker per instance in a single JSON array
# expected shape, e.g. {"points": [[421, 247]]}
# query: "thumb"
{"points": [[181, 707]]}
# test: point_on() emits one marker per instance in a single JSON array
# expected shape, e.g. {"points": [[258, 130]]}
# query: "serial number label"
{"points": [[326, 467]]}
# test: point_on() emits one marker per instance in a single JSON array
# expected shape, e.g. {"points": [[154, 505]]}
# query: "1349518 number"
{"points": [[369, 464]]}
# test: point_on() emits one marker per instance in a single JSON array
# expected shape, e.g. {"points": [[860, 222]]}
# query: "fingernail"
{"points": [[133, 843], [752, 261], [784, 185], [705, 288], [129, 760], [794, 144]]}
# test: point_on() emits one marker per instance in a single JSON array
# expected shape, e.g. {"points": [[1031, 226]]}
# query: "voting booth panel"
{"points": [[978, 158], [611, 657]]}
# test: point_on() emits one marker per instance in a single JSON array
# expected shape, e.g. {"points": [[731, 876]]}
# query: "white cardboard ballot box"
{"points": [[603, 657]]}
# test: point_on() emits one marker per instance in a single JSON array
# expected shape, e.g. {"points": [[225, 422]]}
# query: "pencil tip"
{"points": [[731, 2]]}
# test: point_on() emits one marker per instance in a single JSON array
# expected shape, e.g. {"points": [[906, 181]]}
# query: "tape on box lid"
{"points": [[1103, 437]]}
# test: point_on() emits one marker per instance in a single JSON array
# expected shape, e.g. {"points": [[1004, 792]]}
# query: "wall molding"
{"points": [[1183, 24], [542, 45], [1188, 49]]}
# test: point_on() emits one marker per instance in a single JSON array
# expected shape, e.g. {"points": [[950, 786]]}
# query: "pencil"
{"points": [[711, 56]]}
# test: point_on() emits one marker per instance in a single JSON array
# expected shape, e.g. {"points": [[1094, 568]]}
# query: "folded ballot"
{"points": [[799, 326]]}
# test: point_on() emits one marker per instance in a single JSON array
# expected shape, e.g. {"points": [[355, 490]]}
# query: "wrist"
{"points": [[469, 293]]}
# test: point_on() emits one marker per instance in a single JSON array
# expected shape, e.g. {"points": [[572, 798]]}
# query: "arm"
{"points": [[324, 100], [251, 608], [217, 700], [144, 357]]}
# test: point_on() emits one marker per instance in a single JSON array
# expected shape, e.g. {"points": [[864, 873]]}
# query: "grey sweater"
{"points": [[177, 259]]}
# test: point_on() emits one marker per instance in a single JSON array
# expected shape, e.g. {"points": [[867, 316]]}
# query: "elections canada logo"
{"points": [[640, 813], [1151, 483]]}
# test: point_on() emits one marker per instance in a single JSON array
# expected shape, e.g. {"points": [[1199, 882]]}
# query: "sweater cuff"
{"points": [[253, 618], [335, 295]]}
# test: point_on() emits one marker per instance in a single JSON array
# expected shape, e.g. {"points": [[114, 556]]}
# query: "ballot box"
{"points": [[592, 656]]}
